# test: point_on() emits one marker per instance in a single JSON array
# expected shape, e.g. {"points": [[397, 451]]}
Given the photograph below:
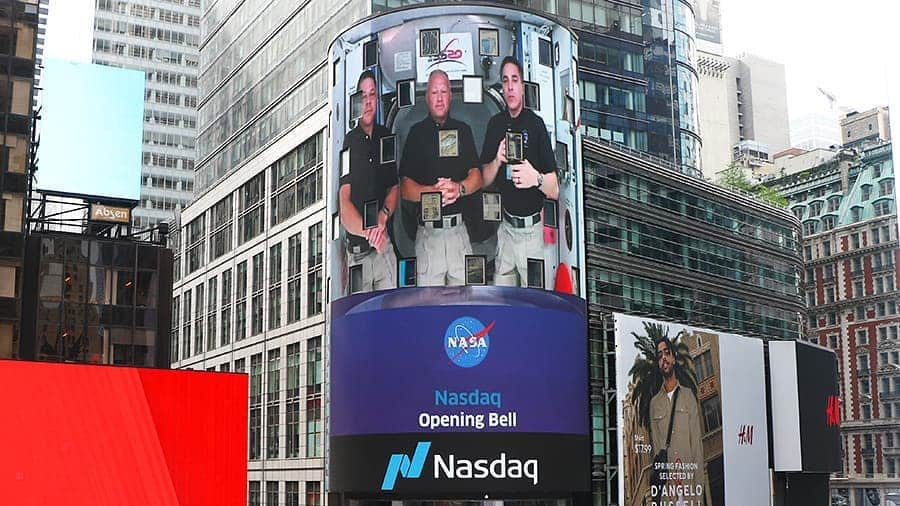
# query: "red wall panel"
{"points": [[83, 434]]}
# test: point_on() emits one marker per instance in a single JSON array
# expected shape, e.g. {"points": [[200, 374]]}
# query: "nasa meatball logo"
{"points": [[467, 341]]}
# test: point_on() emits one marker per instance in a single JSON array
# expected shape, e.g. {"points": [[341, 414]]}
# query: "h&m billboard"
{"points": [[692, 415]]}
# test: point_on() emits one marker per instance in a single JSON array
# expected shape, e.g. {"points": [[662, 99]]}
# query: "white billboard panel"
{"points": [[714, 385]]}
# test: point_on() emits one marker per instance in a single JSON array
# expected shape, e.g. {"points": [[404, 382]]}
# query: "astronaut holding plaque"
{"points": [[438, 169], [368, 197], [518, 156]]}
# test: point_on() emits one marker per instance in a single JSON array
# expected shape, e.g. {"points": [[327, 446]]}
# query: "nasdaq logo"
{"points": [[400, 465], [467, 341]]}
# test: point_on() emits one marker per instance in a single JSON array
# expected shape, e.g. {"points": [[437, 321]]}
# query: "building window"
{"points": [[226, 308], [297, 180], [815, 209], [256, 304], [712, 414], [862, 364], [865, 192], [275, 286], [882, 207], [273, 383], [294, 278], [314, 279], [313, 493], [858, 288], [293, 401], [211, 313], [857, 265], [862, 337], [253, 494], [255, 406], [886, 188], [292, 493], [272, 493], [196, 234], [186, 326], [198, 318], [704, 366], [220, 222], [314, 397], [240, 323], [176, 314], [810, 227], [250, 217], [854, 241]]}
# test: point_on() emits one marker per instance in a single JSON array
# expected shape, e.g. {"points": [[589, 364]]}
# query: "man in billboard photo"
{"points": [[524, 183], [685, 479], [369, 187], [440, 160]]}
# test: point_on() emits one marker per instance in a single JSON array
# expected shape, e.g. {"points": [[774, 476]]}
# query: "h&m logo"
{"points": [[833, 411], [745, 435], [401, 465]]}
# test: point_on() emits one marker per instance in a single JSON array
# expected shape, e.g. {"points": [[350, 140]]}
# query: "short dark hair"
{"points": [[367, 74], [514, 61], [665, 339]]}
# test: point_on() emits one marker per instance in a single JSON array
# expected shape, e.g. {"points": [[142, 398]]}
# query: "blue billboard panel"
{"points": [[91, 129], [500, 360], [466, 368]]}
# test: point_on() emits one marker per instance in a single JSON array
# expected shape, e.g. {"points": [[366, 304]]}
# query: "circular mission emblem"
{"points": [[467, 341]]}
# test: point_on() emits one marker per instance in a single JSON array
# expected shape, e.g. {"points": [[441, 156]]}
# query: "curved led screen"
{"points": [[458, 340]]}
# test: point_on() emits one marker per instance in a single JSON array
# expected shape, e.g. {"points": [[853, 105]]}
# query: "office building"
{"points": [[160, 38], [18, 32], [848, 210], [743, 99], [859, 129]]}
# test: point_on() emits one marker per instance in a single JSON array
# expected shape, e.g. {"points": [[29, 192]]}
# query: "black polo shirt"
{"points": [[526, 201], [421, 163], [369, 179]]}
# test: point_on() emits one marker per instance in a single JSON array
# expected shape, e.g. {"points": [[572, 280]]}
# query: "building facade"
{"points": [[160, 38], [249, 281], [743, 99], [867, 127], [848, 210], [18, 35]]}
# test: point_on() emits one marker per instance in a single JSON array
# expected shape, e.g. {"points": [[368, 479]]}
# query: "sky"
{"points": [[843, 47], [70, 26]]}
